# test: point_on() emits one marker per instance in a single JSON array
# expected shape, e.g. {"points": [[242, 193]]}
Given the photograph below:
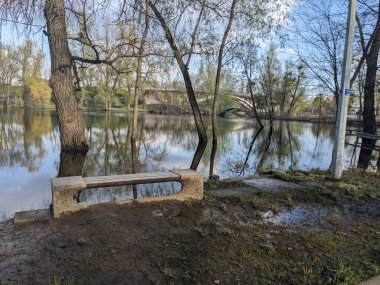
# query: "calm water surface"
{"points": [[30, 152]]}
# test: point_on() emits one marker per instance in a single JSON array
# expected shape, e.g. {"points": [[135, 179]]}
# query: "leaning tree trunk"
{"points": [[254, 109], [215, 104], [369, 115], [201, 130], [72, 132]]}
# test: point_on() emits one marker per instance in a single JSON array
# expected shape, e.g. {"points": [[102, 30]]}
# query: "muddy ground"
{"points": [[323, 232]]}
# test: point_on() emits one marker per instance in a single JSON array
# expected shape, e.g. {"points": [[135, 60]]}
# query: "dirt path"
{"points": [[222, 240]]}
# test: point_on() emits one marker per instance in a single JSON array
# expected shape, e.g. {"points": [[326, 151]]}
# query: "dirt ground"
{"points": [[259, 237]]}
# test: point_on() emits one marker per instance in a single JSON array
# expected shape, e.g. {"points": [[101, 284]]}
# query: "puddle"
{"points": [[368, 209], [312, 216], [297, 215]]}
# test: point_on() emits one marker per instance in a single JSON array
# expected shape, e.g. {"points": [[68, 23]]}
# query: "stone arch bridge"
{"points": [[175, 101]]}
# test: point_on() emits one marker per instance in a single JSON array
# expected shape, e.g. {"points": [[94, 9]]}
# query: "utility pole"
{"points": [[341, 119]]}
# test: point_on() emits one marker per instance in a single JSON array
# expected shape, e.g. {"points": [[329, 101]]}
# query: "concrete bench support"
{"points": [[64, 189]]}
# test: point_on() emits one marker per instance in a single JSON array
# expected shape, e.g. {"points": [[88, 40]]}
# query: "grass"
{"points": [[213, 184], [296, 176], [305, 257], [343, 250], [318, 188]]}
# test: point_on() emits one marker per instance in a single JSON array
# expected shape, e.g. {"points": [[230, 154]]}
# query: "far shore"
{"points": [[314, 119]]}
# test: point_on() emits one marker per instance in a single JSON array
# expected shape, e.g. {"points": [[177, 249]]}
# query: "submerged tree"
{"points": [[184, 66], [222, 46], [71, 126], [138, 81], [70, 119]]}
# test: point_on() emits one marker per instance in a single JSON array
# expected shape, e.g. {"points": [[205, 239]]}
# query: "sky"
{"points": [[14, 35]]}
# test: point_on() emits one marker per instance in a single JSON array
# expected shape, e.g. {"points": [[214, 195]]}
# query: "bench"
{"points": [[65, 189]]}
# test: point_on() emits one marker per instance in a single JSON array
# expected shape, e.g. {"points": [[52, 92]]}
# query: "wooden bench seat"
{"points": [[65, 189], [130, 179]]}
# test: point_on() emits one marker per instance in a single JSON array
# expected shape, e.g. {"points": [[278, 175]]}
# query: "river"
{"points": [[30, 152]]}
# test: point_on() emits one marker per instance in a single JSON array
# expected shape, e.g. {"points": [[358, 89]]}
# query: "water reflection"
{"points": [[30, 156], [107, 194]]}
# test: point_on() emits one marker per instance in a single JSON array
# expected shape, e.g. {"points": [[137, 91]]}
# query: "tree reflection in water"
{"points": [[245, 164], [294, 146], [30, 157]]}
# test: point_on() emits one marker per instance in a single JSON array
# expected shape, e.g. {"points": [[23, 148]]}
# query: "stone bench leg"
{"points": [[63, 191], [192, 184], [192, 188]]}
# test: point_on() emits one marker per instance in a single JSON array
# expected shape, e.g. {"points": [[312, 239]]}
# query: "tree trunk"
{"points": [[7, 102], [136, 102], [198, 155], [245, 164], [143, 99], [290, 144], [265, 152], [369, 115], [134, 154], [186, 77], [138, 82], [71, 163], [250, 84], [361, 90], [72, 132], [217, 88], [294, 95], [282, 104], [129, 98]]}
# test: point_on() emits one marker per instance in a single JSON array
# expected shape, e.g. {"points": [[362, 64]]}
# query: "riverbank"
{"points": [[322, 120], [292, 228]]}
